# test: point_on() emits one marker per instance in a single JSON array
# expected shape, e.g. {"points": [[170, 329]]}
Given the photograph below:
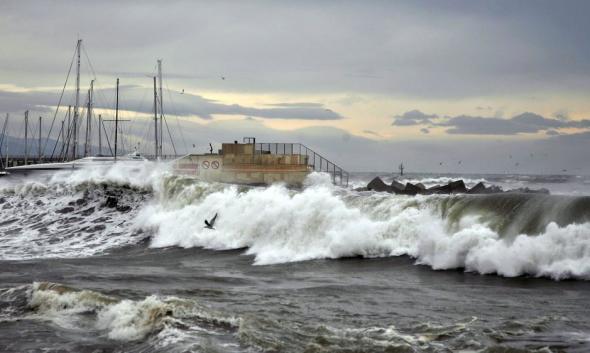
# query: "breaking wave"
{"points": [[89, 212], [74, 214], [507, 234], [156, 320]]}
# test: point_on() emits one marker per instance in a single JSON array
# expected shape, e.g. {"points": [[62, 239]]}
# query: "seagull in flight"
{"points": [[182, 91], [209, 224]]}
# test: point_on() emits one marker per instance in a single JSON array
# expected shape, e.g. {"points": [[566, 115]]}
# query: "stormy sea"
{"points": [[117, 259]]}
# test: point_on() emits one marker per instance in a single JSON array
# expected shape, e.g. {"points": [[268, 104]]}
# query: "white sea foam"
{"points": [[279, 225], [36, 222], [275, 224], [122, 320]]}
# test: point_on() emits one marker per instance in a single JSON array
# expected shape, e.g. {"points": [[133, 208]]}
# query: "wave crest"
{"points": [[509, 234]]}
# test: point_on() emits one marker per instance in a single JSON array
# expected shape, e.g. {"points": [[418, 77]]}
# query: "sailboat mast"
{"points": [[2, 142], [75, 123], [87, 144], [161, 104], [63, 138], [155, 119], [116, 118], [99, 135], [39, 151], [26, 136], [6, 142]]}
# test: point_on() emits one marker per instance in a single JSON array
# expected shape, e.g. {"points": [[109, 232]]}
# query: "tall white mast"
{"points": [[87, 144], [99, 135], [116, 118], [26, 136], [75, 121], [161, 104], [155, 119], [39, 151]]}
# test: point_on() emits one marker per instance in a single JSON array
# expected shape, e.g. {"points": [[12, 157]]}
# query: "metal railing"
{"points": [[152, 157], [314, 160]]}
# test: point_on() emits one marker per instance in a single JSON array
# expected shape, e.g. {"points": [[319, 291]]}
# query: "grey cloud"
{"points": [[419, 49], [551, 133], [523, 123], [562, 114], [298, 105], [476, 125], [136, 98], [413, 117], [425, 131], [532, 119], [552, 154], [465, 124], [13, 102]]}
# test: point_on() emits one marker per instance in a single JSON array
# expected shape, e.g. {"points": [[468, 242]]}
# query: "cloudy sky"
{"points": [[501, 86]]}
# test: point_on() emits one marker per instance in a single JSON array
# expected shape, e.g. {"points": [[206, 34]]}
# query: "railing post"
{"points": [[334, 174]]}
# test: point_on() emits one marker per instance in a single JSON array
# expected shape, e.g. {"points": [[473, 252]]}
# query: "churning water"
{"points": [[116, 259]]}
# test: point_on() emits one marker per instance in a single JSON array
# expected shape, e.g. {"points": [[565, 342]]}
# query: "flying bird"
{"points": [[182, 91], [209, 224], [223, 78]]}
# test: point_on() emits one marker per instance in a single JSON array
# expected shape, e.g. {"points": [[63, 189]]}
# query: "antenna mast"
{"points": [[156, 119], [39, 161], [87, 144], [116, 119], [2, 143], [75, 121], [99, 135], [161, 104], [26, 136]]}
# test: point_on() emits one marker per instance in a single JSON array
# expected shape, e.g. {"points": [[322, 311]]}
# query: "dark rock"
{"points": [[378, 185], [440, 189], [397, 187], [421, 186], [454, 187], [65, 210], [111, 202], [457, 187], [431, 190], [364, 188], [80, 202], [479, 188], [2, 200], [411, 189]]}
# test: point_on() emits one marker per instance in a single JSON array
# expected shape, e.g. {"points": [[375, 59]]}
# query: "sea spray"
{"points": [[66, 215], [278, 225], [120, 319]]}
